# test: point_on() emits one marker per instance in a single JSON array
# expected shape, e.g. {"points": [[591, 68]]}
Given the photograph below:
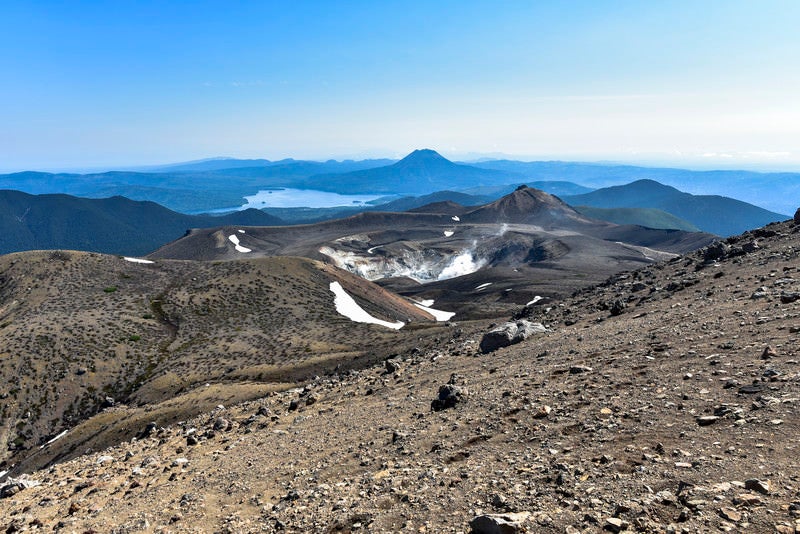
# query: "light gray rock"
{"points": [[510, 523], [508, 334]]}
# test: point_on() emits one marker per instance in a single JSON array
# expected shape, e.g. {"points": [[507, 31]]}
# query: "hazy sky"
{"points": [[122, 83]]}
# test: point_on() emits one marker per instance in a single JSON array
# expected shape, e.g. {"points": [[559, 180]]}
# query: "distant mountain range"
{"points": [[712, 213], [198, 186], [114, 225]]}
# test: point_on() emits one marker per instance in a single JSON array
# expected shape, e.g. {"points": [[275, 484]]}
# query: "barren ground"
{"points": [[594, 425]]}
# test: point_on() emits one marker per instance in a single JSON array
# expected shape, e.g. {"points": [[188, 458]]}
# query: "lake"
{"points": [[304, 198]]}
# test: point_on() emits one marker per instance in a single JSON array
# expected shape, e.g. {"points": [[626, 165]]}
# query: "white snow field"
{"points": [[235, 240], [348, 307], [438, 314]]}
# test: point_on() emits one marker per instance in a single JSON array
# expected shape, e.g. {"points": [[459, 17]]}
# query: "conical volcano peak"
{"points": [[525, 191], [424, 156], [527, 205], [425, 153]]}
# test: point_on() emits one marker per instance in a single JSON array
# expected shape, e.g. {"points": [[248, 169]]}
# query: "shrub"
{"points": [[110, 289]]}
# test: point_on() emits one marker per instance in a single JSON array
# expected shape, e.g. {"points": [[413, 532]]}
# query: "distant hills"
{"points": [[113, 225], [647, 217], [775, 191], [712, 213]]}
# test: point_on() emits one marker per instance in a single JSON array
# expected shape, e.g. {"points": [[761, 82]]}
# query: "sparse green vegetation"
{"points": [[203, 320]]}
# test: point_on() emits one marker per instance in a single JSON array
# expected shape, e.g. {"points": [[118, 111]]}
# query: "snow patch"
{"points": [[348, 307], [235, 240], [483, 286], [61, 435], [3, 473], [455, 218], [448, 233], [536, 299], [241, 231], [438, 314], [137, 260], [427, 302]]}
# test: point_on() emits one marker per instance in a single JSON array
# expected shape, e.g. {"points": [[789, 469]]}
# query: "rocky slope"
{"points": [[664, 400]]}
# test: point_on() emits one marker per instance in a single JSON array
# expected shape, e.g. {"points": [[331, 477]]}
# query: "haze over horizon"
{"points": [[133, 84]]}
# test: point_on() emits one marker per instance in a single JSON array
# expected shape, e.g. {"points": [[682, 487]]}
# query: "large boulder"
{"points": [[509, 333]]}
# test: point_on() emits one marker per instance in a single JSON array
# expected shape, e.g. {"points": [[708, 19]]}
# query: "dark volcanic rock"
{"points": [[509, 334], [449, 396]]}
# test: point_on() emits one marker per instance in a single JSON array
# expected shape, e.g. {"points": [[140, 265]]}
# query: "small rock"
{"points": [[730, 514], [615, 524], [449, 395], [760, 293], [747, 499], [542, 412], [706, 420], [391, 365], [577, 369], [222, 425], [9, 490], [149, 429], [617, 307], [754, 484], [511, 523], [769, 352], [751, 389]]}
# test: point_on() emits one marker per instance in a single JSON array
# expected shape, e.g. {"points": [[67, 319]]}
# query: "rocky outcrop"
{"points": [[509, 334]]}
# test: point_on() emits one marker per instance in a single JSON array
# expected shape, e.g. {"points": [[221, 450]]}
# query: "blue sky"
{"points": [[131, 83]]}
